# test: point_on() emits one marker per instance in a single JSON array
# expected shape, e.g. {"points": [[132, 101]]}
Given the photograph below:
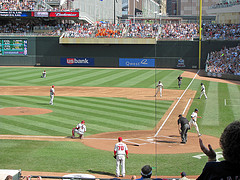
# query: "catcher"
{"points": [[79, 129]]}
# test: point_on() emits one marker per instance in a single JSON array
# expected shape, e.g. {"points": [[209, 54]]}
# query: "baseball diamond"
{"points": [[33, 111]]}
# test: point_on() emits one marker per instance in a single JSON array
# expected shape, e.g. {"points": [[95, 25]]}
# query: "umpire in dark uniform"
{"points": [[183, 127]]}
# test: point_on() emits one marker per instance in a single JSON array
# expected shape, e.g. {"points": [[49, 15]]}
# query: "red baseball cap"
{"points": [[120, 138], [83, 121], [52, 85]]}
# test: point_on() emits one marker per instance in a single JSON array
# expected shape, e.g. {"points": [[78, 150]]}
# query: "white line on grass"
{"points": [[186, 106], [225, 102], [175, 105]]}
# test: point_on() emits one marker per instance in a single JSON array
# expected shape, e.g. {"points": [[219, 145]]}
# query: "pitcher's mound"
{"points": [[18, 111]]}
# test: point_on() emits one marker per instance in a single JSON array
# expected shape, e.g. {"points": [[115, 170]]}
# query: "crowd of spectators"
{"points": [[227, 3], [16, 5], [221, 31], [139, 30], [181, 31], [226, 60], [29, 5], [168, 31], [35, 28]]}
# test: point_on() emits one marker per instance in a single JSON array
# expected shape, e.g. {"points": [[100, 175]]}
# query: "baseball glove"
{"points": [[115, 156]]}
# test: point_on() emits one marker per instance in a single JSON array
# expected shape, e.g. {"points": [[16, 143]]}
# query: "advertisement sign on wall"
{"points": [[15, 14], [77, 61], [136, 62], [180, 63], [64, 14]]}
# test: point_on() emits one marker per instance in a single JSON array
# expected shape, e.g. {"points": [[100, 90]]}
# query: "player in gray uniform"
{"points": [[52, 94], [179, 81], [203, 91], [183, 127]]}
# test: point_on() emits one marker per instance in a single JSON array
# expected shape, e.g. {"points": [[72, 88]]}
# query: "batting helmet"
{"points": [[196, 109]]}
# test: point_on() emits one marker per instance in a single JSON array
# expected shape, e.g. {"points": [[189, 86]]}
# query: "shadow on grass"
{"points": [[101, 172]]}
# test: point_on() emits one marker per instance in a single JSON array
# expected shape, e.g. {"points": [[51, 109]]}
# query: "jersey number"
{"points": [[121, 148]]}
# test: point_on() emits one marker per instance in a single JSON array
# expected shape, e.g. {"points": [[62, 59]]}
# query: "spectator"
{"points": [[225, 61], [230, 167], [183, 176], [133, 177], [9, 177], [146, 172]]}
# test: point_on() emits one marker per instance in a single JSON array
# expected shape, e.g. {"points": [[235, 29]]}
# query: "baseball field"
{"points": [[35, 136]]}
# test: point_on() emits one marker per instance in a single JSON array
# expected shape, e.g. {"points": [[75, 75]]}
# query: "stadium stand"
{"points": [[224, 61]]}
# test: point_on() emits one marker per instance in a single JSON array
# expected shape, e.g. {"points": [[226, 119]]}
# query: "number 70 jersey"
{"points": [[120, 148]]}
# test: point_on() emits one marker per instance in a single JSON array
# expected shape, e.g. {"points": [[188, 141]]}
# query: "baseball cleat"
{"points": [[199, 135]]}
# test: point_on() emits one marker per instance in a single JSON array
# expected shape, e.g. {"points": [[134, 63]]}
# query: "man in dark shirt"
{"points": [[179, 78], [183, 127], [230, 167]]}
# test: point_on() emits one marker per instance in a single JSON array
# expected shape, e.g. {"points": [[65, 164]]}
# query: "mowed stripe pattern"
{"points": [[100, 114], [139, 78]]}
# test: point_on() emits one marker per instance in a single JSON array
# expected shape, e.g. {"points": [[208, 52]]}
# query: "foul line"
{"points": [[176, 105], [186, 106]]}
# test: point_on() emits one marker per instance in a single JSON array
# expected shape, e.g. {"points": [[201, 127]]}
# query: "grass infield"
{"points": [[103, 115]]}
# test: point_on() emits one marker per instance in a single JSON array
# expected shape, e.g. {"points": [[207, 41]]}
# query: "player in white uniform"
{"points": [[120, 150], [44, 74], [203, 91], [159, 88], [52, 94], [193, 121], [79, 129]]}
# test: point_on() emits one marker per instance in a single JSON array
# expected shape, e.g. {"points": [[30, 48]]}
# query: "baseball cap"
{"points": [[52, 85], [196, 109], [146, 170], [83, 121], [183, 174], [120, 138], [179, 115]]}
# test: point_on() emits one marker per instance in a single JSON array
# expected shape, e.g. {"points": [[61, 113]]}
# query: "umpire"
{"points": [[183, 127]]}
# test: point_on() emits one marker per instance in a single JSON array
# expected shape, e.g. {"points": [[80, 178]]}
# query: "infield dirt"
{"points": [[155, 141]]}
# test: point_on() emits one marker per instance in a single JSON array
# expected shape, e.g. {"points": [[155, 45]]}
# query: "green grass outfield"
{"points": [[103, 115]]}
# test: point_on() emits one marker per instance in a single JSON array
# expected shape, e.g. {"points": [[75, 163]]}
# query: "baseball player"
{"points": [[79, 129], [159, 88], [203, 91], [179, 81], [44, 74], [52, 94], [183, 127], [120, 150], [193, 121]]}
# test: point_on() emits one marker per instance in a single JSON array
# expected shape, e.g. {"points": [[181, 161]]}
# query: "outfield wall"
{"points": [[47, 51]]}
